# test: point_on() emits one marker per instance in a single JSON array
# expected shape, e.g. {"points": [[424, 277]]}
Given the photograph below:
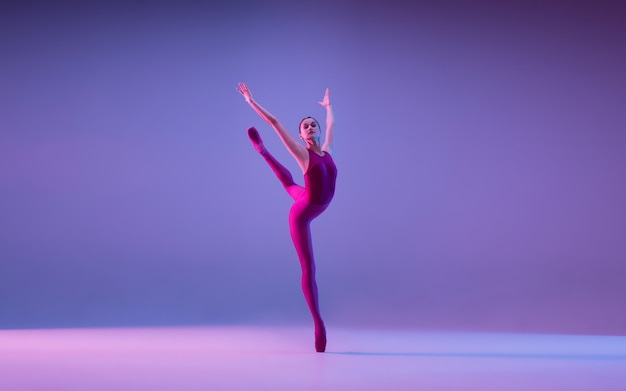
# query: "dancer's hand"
{"points": [[243, 90], [326, 101]]}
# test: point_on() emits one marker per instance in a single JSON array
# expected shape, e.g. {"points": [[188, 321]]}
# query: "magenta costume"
{"points": [[309, 202]]}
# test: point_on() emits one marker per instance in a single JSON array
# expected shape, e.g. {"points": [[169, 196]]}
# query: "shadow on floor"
{"points": [[593, 357]]}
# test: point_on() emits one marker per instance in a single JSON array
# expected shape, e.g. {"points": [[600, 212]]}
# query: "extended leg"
{"points": [[300, 217], [282, 173]]}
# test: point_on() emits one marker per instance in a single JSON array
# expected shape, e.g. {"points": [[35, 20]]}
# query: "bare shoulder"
{"points": [[301, 155]]}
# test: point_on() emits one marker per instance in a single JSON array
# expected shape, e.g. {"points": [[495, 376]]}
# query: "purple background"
{"points": [[481, 149]]}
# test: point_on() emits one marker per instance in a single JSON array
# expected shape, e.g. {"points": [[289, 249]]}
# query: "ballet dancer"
{"points": [[311, 200]]}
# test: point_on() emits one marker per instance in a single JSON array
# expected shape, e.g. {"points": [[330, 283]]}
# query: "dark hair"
{"points": [[300, 124]]}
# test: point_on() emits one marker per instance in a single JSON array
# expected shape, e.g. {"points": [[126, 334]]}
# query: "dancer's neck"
{"points": [[315, 148]]}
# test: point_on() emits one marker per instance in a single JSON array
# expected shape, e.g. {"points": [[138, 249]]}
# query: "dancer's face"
{"points": [[309, 129]]}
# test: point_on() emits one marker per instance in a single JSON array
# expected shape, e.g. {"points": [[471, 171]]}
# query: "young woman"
{"points": [[311, 200]]}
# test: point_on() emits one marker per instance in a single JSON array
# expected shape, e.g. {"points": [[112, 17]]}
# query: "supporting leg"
{"points": [[300, 217]]}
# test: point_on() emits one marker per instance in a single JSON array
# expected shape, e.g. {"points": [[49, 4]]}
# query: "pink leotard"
{"points": [[319, 178]]}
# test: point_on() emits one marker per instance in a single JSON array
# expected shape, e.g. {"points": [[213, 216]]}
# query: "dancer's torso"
{"points": [[319, 178]]}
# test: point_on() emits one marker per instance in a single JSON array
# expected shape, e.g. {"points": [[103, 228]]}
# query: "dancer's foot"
{"points": [[254, 136], [320, 339]]}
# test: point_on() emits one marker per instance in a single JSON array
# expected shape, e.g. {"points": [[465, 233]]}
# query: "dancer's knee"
{"points": [[308, 271]]}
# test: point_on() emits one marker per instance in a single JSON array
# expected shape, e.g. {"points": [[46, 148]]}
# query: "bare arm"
{"points": [[330, 121], [296, 150]]}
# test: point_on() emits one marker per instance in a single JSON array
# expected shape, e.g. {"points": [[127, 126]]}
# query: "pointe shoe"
{"points": [[254, 136], [320, 340]]}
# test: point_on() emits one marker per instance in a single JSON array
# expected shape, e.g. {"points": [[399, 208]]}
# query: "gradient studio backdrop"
{"points": [[481, 149]]}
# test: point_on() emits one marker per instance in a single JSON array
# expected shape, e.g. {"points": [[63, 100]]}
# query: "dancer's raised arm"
{"points": [[330, 120], [298, 151]]}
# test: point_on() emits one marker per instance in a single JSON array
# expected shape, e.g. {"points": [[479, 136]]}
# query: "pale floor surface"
{"points": [[265, 358]]}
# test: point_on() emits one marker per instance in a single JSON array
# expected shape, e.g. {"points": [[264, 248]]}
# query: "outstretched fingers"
{"points": [[326, 100], [243, 90]]}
